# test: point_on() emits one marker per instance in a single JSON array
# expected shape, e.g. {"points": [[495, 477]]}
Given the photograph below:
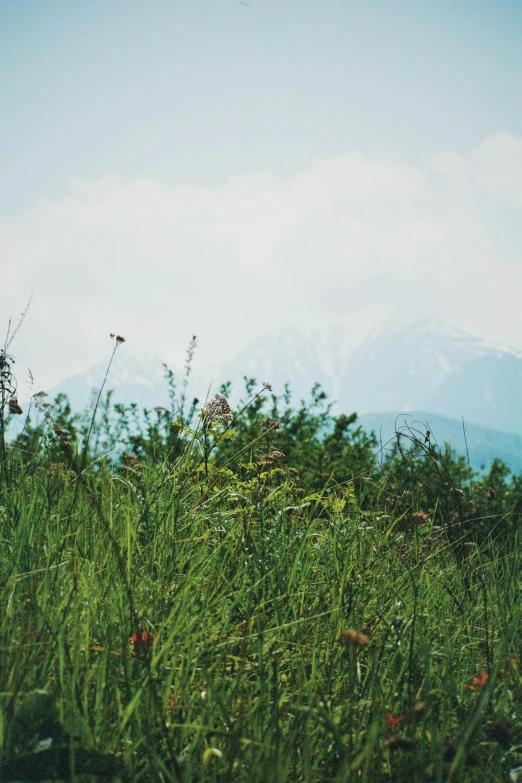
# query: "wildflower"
{"points": [[142, 640], [512, 659], [218, 409], [267, 386], [118, 338], [353, 638], [478, 683], [272, 457], [392, 721], [270, 424]]}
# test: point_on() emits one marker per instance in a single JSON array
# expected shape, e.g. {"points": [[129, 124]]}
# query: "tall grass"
{"points": [[169, 621]]}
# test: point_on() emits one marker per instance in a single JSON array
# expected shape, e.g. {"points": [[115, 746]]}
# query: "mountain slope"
{"points": [[286, 357], [423, 366], [430, 366], [132, 378], [487, 390], [480, 444]]}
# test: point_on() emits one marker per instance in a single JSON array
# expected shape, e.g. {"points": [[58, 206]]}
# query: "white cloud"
{"points": [[499, 167], [347, 240]]}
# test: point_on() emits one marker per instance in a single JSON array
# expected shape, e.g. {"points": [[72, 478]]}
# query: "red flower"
{"points": [[393, 721], [478, 683], [142, 640]]}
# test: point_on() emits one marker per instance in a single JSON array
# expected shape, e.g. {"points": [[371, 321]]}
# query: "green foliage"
{"points": [[321, 448], [254, 596]]}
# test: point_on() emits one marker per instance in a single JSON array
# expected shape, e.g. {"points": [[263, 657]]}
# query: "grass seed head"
{"points": [[353, 638], [14, 407]]}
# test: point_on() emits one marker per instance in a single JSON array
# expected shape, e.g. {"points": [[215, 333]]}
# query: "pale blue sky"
{"points": [[194, 91], [171, 168]]}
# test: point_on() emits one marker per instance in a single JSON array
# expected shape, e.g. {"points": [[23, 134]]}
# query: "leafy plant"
{"points": [[254, 595]]}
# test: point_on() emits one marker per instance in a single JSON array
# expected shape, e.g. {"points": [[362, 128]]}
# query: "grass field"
{"points": [[164, 621]]}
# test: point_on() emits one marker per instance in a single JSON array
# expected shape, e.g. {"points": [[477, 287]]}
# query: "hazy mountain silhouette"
{"points": [[424, 366]]}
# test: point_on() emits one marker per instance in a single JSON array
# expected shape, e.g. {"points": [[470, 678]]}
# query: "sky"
{"points": [[226, 169]]}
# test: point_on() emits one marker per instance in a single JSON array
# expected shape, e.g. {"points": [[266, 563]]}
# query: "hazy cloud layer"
{"points": [[350, 240]]}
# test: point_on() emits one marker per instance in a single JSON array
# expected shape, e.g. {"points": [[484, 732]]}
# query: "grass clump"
{"points": [[220, 595]]}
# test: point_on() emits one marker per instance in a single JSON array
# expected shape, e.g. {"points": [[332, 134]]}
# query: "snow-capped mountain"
{"points": [[289, 357], [132, 378], [429, 366], [286, 357], [424, 366]]}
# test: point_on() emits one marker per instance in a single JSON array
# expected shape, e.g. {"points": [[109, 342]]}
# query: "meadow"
{"points": [[206, 594]]}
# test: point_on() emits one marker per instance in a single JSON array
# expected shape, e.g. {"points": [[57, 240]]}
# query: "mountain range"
{"points": [[431, 370]]}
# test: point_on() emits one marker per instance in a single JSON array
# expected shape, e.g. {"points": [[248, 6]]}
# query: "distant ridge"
{"points": [[481, 444], [430, 366], [132, 378], [422, 366]]}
